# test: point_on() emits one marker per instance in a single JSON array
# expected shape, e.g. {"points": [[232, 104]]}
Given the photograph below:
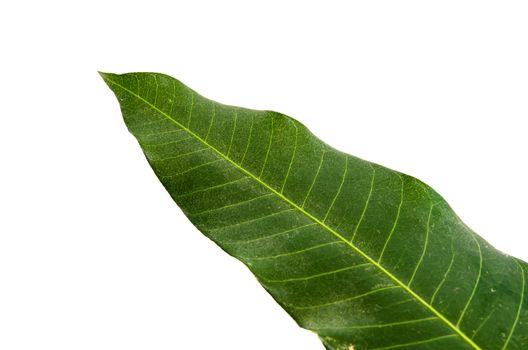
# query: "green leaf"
{"points": [[366, 257]]}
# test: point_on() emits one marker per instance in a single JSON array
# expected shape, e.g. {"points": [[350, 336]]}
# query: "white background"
{"points": [[93, 252]]}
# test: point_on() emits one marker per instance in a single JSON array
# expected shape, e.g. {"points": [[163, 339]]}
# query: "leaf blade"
{"points": [[193, 111]]}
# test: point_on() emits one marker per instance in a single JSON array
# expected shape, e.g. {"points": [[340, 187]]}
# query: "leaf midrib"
{"points": [[310, 216]]}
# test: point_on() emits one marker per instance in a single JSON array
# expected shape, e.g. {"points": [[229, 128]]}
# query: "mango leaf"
{"points": [[366, 257]]}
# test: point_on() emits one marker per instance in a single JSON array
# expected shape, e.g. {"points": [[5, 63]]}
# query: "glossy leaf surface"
{"points": [[366, 257]]}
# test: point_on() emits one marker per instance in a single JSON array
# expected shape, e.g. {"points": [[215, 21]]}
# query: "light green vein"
{"points": [[381, 325], [190, 112], [157, 88], [232, 133], [157, 133], [191, 169], [289, 254], [482, 324], [475, 285], [340, 301], [322, 274], [253, 240], [268, 149], [138, 85], [395, 221], [517, 317], [211, 123], [248, 141], [315, 177], [365, 207], [292, 158], [252, 220], [212, 187], [173, 97], [141, 125], [455, 329], [338, 190], [180, 155], [165, 143], [426, 243], [444, 278], [207, 211]]}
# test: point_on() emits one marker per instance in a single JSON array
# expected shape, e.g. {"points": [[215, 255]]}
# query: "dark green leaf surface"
{"points": [[366, 257]]}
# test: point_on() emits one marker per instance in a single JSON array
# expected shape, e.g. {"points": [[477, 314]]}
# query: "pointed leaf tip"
{"points": [[105, 75]]}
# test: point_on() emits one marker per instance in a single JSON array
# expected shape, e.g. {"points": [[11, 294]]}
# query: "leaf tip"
{"points": [[106, 76]]}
